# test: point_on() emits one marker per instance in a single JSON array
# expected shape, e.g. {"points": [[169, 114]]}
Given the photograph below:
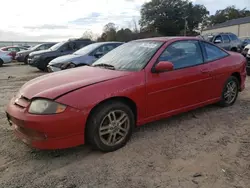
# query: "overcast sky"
{"points": [[56, 20]]}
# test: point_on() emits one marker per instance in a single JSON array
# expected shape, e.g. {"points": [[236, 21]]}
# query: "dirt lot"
{"points": [[212, 143]]}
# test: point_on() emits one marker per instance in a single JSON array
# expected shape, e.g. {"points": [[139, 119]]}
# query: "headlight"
{"points": [[43, 106], [37, 56]]}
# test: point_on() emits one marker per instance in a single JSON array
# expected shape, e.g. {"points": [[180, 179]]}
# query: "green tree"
{"points": [[228, 13], [168, 17], [124, 35]]}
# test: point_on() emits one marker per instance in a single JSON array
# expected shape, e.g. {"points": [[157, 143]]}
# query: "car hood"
{"points": [[65, 59], [41, 52], [56, 84]]}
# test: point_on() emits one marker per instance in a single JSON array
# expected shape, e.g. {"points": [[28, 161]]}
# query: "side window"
{"points": [[72, 46], [11, 49], [42, 47], [212, 52], [67, 47], [217, 38], [183, 54], [80, 45], [233, 37], [225, 39]]}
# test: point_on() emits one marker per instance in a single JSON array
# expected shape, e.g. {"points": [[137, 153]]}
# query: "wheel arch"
{"points": [[237, 75], [234, 49]]}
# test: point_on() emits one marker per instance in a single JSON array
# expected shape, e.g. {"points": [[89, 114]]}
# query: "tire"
{"points": [[248, 71], [232, 82], [1, 62], [100, 118], [26, 60], [234, 49], [44, 67]]}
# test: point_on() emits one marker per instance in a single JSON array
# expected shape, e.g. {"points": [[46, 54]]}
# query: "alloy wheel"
{"points": [[114, 127]]}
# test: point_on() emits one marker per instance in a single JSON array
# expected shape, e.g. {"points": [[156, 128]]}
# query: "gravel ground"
{"points": [[208, 147]]}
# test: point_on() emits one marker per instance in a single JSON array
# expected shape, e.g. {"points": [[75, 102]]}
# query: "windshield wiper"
{"points": [[108, 66]]}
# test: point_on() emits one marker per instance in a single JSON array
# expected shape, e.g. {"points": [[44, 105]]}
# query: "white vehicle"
{"points": [[5, 57], [246, 51]]}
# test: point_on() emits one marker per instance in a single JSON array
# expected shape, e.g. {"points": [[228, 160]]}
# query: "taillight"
{"points": [[9, 54]]}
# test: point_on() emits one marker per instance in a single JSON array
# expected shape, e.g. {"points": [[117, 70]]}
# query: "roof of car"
{"points": [[164, 39]]}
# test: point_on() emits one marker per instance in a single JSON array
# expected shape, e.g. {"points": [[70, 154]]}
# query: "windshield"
{"points": [[57, 46], [87, 49], [34, 47], [131, 56]]}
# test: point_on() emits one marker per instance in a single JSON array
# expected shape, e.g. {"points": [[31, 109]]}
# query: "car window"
{"points": [[225, 39], [42, 47], [80, 45], [233, 37], [72, 46], [212, 52], [218, 38], [183, 54], [105, 48], [67, 47], [11, 49]]}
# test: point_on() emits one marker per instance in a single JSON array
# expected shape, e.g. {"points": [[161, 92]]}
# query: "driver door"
{"points": [[187, 85]]}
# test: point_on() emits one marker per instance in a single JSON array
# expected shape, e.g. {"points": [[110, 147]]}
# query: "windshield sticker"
{"points": [[148, 45]]}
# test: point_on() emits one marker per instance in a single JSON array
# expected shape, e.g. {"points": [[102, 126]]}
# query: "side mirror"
{"points": [[163, 66], [217, 41], [98, 54]]}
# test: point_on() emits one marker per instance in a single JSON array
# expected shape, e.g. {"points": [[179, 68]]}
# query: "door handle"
{"points": [[205, 71]]}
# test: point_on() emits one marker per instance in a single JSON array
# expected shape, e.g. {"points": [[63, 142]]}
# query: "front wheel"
{"points": [[110, 126], [230, 92]]}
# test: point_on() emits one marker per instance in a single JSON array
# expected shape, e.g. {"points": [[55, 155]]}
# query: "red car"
{"points": [[138, 82], [13, 50]]}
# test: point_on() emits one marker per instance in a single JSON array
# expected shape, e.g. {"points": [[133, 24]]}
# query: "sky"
{"points": [[57, 20]]}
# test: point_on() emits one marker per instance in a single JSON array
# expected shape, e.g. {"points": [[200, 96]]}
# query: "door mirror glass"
{"points": [[163, 66]]}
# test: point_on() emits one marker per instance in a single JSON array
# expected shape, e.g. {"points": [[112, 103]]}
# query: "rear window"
{"points": [[233, 37]]}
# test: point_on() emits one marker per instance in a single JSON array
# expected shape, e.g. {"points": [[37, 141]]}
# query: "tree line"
{"points": [[169, 18]]}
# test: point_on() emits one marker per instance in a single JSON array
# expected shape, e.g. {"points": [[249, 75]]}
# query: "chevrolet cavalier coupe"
{"points": [[136, 83]]}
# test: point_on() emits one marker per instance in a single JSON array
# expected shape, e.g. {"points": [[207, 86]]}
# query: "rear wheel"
{"points": [[230, 92], [44, 67], [1, 62], [110, 126]]}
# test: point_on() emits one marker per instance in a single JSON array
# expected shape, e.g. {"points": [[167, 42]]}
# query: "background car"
{"points": [[136, 83], [5, 57], [246, 50], [85, 56], [13, 50], [42, 58], [246, 53], [228, 41], [245, 41], [23, 55]]}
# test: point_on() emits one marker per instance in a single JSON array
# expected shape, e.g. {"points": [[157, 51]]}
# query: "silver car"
{"points": [[5, 57], [85, 56]]}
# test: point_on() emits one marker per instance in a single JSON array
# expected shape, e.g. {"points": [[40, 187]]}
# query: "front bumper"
{"points": [[33, 62], [57, 131]]}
